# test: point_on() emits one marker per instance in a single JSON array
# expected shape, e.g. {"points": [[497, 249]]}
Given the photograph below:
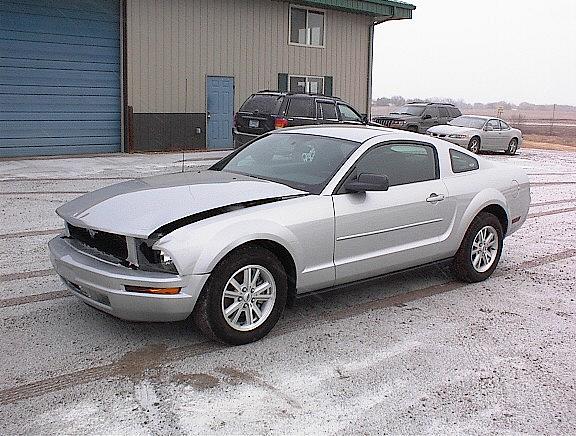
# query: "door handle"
{"points": [[433, 198]]}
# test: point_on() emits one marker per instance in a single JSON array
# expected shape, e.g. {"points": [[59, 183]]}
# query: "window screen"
{"points": [[461, 162], [443, 112]]}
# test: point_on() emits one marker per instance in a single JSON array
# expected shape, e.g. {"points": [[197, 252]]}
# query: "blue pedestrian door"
{"points": [[59, 77], [220, 111]]}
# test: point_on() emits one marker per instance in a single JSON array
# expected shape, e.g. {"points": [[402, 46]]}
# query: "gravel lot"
{"points": [[412, 353]]}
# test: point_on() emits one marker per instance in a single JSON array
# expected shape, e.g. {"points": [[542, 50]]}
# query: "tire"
{"points": [[236, 329], [413, 129], [512, 147], [474, 145], [464, 265]]}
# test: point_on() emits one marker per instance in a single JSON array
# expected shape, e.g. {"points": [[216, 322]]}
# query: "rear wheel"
{"points": [[512, 147], [243, 298], [481, 249], [474, 145]]}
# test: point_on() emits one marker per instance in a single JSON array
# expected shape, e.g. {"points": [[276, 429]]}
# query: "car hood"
{"points": [[447, 129], [139, 207]]}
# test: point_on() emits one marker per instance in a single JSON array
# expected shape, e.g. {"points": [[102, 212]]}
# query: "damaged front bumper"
{"points": [[101, 284]]}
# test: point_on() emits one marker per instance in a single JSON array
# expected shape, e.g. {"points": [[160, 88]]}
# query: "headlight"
{"points": [[458, 136], [150, 259]]}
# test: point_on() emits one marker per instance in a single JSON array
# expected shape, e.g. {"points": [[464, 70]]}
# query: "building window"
{"points": [[309, 84], [306, 27]]}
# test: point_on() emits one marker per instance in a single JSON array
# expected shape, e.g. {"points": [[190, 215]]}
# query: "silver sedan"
{"points": [[479, 133], [295, 211]]}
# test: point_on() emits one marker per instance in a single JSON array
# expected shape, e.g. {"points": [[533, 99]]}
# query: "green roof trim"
{"points": [[381, 10]]}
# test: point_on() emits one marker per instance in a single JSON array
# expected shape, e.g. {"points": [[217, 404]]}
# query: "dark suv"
{"points": [[269, 110], [419, 116]]}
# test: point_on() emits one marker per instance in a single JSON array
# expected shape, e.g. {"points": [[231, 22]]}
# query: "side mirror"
{"points": [[426, 117], [367, 182], [365, 119], [489, 128]]}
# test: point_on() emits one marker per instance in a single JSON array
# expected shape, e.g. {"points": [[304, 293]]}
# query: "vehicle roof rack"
{"points": [[314, 94], [429, 102]]}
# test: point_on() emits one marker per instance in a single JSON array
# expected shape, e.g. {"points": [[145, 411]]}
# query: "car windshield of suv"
{"points": [[409, 110], [262, 103], [305, 162], [470, 122]]}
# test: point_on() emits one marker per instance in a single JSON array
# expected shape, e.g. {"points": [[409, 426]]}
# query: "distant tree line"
{"points": [[398, 100]]}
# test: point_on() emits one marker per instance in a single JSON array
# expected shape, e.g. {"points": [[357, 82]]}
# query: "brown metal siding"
{"points": [[170, 41]]}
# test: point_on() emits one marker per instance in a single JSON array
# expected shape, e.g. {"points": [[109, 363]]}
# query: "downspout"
{"points": [[370, 65]]}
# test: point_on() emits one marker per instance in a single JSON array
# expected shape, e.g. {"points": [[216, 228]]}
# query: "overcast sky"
{"points": [[480, 51]]}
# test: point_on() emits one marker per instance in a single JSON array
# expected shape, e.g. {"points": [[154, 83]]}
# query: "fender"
{"points": [[214, 240], [483, 199]]}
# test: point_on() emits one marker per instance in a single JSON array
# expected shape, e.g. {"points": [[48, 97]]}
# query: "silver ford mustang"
{"points": [[479, 133], [295, 211]]}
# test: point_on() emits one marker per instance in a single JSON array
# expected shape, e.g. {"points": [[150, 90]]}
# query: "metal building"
{"points": [[93, 76]]}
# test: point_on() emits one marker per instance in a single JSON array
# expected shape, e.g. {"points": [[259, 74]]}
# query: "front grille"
{"points": [[108, 243], [386, 122]]}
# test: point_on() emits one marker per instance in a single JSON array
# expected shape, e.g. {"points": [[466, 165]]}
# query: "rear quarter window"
{"points": [[454, 112], [262, 103], [461, 162]]}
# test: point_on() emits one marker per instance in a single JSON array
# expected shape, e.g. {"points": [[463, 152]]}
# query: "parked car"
{"points": [[295, 211], [269, 110], [419, 116], [480, 133]]}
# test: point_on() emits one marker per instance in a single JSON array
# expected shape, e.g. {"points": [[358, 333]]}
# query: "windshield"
{"points": [[471, 122], [409, 110], [305, 162]]}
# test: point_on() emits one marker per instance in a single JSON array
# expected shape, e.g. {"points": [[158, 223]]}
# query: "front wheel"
{"points": [[480, 250], [474, 145], [512, 147], [243, 298]]}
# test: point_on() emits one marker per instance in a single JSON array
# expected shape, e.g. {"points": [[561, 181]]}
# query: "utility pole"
{"points": [[553, 118]]}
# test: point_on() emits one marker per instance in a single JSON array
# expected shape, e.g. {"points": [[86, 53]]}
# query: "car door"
{"points": [[326, 112], [429, 118], [348, 115], [506, 135], [444, 115], [492, 135], [301, 111], [379, 232]]}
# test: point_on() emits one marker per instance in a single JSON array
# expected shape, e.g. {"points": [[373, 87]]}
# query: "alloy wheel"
{"points": [[484, 249], [248, 297]]}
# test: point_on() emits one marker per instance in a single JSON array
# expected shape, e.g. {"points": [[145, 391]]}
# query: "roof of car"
{"points": [[347, 132], [428, 103], [482, 117]]}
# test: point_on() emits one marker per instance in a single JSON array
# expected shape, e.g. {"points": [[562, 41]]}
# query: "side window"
{"points": [[461, 162], [432, 111], [348, 114], [301, 108], [504, 125], [495, 124], [401, 163], [327, 110], [443, 112]]}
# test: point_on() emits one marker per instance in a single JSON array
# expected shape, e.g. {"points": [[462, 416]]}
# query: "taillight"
{"points": [[280, 123]]}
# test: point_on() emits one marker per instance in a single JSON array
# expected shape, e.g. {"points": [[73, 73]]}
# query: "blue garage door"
{"points": [[59, 77]]}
